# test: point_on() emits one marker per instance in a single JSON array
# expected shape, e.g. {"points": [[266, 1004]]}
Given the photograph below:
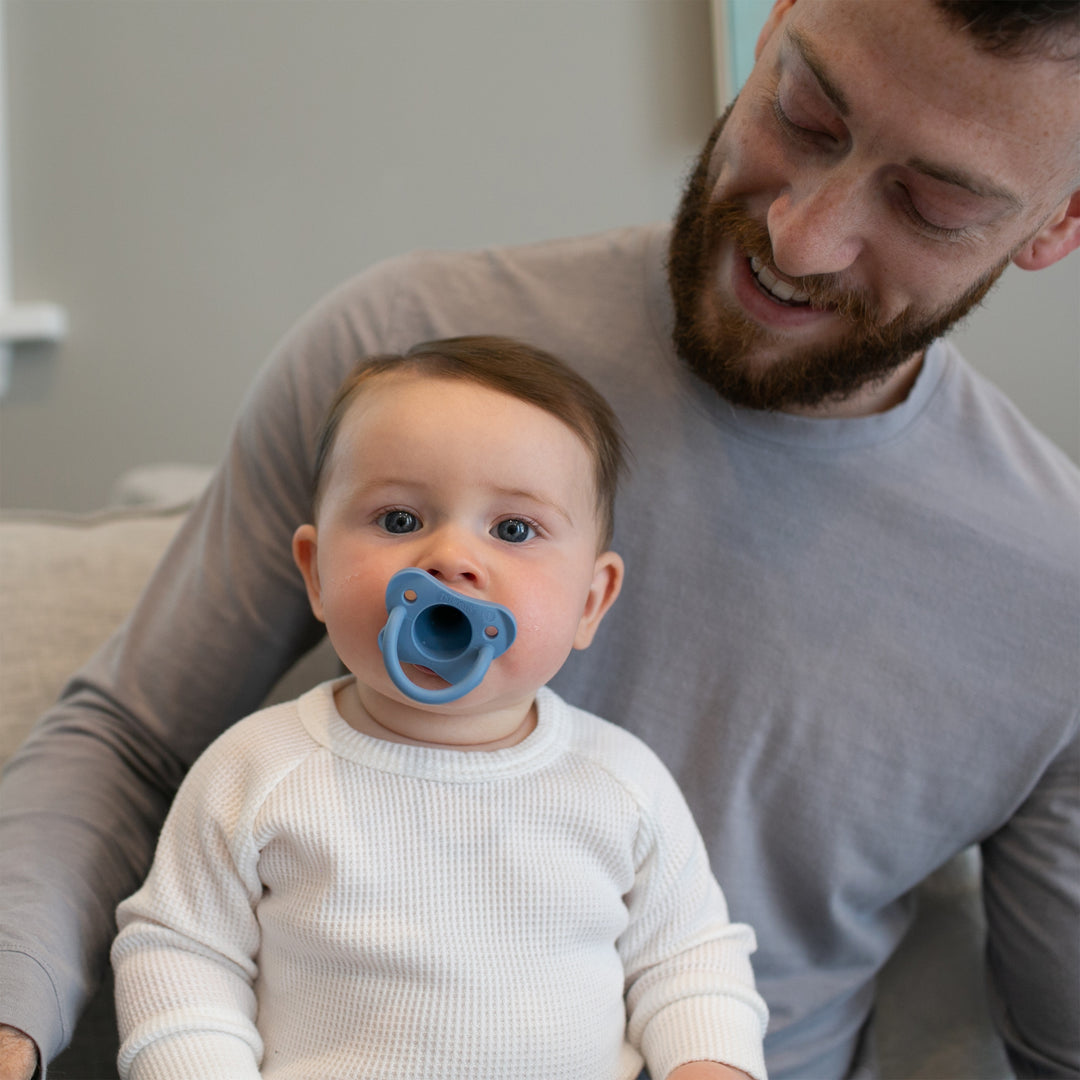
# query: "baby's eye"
{"points": [[398, 521], [514, 531]]}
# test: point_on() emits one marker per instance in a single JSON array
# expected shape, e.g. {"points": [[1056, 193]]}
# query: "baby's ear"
{"points": [[606, 583], [305, 550]]}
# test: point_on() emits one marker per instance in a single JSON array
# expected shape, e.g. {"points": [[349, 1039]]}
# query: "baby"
{"points": [[381, 879]]}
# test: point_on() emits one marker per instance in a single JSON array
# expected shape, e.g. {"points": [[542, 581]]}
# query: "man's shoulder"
{"points": [[509, 289], [1001, 485], [612, 245], [985, 427]]}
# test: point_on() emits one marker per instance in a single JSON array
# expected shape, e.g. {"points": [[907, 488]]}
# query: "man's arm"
{"points": [[1031, 883], [224, 616], [18, 1054], [82, 801]]}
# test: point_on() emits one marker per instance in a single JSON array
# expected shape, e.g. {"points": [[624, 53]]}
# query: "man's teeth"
{"points": [[780, 289]]}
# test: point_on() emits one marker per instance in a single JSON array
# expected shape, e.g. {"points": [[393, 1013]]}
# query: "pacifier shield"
{"points": [[433, 626]]}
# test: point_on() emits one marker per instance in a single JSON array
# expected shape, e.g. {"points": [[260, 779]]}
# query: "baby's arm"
{"points": [[690, 989], [184, 958]]}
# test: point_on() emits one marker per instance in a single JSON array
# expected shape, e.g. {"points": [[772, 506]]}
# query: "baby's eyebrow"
{"points": [[532, 496], [367, 485]]}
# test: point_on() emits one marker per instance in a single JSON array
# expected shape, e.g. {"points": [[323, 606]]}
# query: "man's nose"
{"points": [[816, 226]]}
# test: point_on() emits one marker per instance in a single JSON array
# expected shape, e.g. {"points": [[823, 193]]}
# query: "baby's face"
{"points": [[491, 495]]}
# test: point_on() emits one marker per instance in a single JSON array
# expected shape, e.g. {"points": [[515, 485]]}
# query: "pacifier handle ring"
{"points": [[472, 679]]}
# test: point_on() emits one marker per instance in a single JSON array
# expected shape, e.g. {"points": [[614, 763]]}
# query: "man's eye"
{"points": [[514, 531], [398, 521], [921, 221], [799, 131], [802, 121]]}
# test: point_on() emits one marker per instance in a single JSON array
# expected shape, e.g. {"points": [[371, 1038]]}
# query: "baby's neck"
{"points": [[368, 712]]}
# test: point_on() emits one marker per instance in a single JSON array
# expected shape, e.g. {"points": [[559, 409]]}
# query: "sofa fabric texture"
{"points": [[66, 582]]}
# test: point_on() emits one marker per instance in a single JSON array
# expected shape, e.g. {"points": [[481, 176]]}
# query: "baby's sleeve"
{"points": [[185, 956], [689, 984]]}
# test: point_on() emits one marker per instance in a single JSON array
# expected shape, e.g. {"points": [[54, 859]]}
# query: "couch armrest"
{"points": [[66, 582]]}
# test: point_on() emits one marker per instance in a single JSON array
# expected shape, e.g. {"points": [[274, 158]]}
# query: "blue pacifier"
{"points": [[440, 629]]}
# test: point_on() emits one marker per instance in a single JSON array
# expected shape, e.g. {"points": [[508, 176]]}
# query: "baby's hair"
{"points": [[510, 367]]}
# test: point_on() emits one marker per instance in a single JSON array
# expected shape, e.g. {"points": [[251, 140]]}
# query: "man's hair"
{"points": [[509, 367], [1021, 29]]}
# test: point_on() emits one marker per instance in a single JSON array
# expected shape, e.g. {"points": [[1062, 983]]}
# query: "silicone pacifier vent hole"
{"points": [[409, 595], [491, 631], [442, 631]]}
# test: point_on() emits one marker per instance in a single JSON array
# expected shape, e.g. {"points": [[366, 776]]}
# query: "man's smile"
{"points": [[781, 290]]}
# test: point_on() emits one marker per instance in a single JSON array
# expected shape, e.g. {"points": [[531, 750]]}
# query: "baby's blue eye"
{"points": [[399, 521], [514, 531]]}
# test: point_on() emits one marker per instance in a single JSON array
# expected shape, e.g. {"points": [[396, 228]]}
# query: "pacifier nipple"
{"points": [[435, 627]]}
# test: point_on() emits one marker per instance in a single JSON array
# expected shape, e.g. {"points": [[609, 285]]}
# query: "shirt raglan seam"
{"points": [[301, 760], [643, 819]]}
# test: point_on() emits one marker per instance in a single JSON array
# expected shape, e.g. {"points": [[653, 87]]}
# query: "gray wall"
{"points": [[187, 177]]}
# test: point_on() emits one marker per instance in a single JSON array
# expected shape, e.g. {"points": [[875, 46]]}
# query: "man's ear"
{"points": [[305, 550], [1059, 236], [776, 17], [606, 584]]}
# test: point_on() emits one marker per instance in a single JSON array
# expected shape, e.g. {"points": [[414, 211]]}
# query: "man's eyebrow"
{"points": [[977, 185], [980, 186], [817, 68]]}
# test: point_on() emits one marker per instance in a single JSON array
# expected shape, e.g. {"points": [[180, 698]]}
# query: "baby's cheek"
{"points": [[354, 622], [543, 642]]}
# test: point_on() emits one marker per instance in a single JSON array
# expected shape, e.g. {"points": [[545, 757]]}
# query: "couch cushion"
{"points": [[66, 582]]}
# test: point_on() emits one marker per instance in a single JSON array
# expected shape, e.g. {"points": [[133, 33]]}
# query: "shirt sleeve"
{"points": [[1031, 889], [690, 987], [223, 617], [184, 959]]}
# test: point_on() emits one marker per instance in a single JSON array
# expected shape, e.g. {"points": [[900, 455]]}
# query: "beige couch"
{"points": [[67, 581]]}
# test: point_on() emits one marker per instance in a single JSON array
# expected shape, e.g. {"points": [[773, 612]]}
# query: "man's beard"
{"points": [[721, 354]]}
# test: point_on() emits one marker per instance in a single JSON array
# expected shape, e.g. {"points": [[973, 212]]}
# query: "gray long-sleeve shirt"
{"points": [[854, 643]]}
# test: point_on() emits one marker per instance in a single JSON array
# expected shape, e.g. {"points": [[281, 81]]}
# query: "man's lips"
{"points": [[767, 300]]}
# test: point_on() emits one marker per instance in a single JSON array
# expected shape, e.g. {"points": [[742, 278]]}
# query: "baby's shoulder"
{"points": [[626, 758], [264, 743]]}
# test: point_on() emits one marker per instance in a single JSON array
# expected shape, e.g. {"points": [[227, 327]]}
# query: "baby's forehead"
{"points": [[403, 406], [399, 380], [404, 382], [569, 448], [439, 391], [399, 406]]}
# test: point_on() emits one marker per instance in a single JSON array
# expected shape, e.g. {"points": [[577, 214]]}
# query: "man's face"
{"points": [[874, 178]]}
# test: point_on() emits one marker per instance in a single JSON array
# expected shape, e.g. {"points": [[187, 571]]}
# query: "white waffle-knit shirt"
{"points": [[326, 905]]}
